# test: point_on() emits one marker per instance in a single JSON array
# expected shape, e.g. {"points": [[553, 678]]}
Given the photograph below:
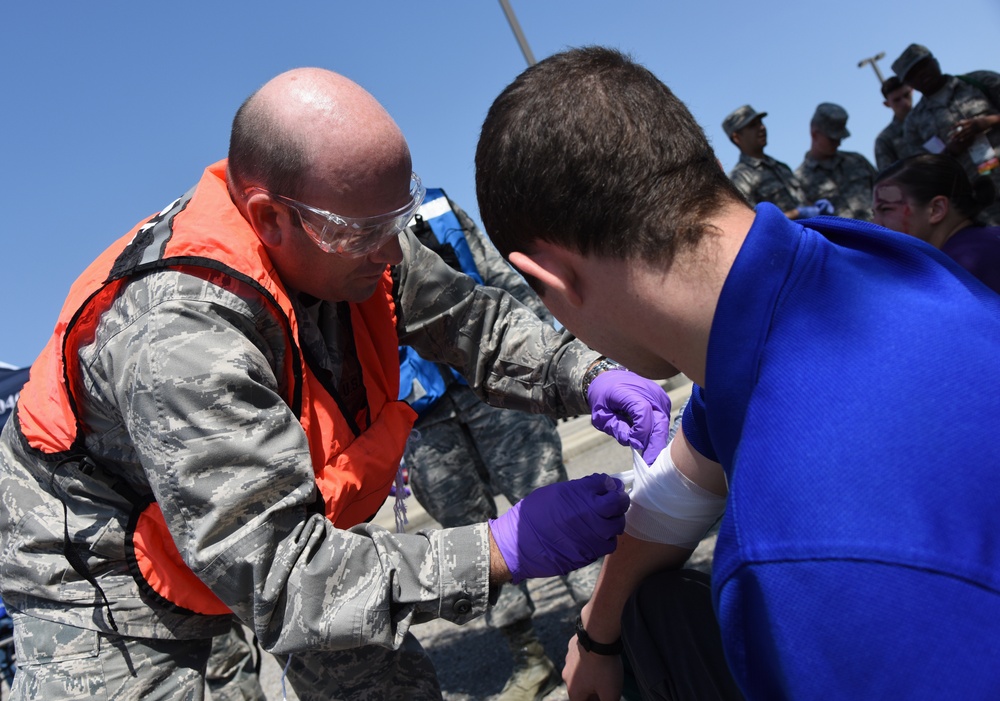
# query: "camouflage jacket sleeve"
{"points": [[918, 126], [183, 401], [509, 356], [496, 272], [886, 146], [742, 178]]}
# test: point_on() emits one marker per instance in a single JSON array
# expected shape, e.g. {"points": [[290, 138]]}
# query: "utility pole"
{"points": [[518, 34], [873, 60]]}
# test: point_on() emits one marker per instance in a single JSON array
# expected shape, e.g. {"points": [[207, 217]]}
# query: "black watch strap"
{"points": [[589, 645]]}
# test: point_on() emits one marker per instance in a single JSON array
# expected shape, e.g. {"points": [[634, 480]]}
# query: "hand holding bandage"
{"points": [[631, 409], [561, 527], [667, 507]]}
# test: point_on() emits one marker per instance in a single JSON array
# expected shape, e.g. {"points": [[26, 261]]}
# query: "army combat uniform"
{"points": [[767, 180], [890, 145], [971, 95], [181, 392], [846, 180], [463, 451]]}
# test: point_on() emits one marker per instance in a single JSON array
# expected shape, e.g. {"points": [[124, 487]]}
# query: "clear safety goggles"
{"points": [[354, 237]]}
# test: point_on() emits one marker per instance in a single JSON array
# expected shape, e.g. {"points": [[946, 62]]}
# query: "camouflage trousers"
{"points": [[463, 452], [233, 671], [58, 662]]}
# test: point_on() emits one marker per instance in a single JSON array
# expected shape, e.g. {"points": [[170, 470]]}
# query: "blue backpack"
{"points": [[422, 382]]}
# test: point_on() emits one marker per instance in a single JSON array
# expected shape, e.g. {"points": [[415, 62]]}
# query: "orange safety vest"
{"points": [[204, 234]]}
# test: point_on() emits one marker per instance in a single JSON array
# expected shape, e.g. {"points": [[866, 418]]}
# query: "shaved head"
{"points": [[313, 134], [322, 140]]}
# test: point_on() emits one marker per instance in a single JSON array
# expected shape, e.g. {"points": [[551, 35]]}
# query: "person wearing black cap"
{"points": [[842, 177], [759, 177], [959, 114]]}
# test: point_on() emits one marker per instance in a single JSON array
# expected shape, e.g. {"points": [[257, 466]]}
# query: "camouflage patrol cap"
{"points": [[831, 119], [914, 54], [739, 118]]}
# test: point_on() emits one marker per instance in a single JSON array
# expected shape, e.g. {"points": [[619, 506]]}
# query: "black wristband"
{"points": [[600, 365], [589, 645]]}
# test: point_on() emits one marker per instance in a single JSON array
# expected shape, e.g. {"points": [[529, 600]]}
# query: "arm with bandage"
{"points": [[674, 506], [675, 501]]}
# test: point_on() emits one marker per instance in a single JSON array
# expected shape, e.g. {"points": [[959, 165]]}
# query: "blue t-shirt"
{"points": [[852, 395]]}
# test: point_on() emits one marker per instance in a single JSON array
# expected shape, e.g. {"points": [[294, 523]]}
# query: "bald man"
{"points": [[215, 419]]}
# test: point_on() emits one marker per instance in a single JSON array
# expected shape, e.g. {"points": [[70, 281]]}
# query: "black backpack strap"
{"points": [[70, 551]]}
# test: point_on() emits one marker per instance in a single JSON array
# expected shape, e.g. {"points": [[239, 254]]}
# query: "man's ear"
{"points": [[940, 206], [554, 267], [266, 218]]}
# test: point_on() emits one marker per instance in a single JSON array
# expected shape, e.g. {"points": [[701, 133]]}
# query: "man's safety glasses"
{"points": [[353, 237]]}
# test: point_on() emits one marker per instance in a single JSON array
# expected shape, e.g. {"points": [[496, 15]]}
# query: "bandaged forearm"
{"points": [[667, 507]]}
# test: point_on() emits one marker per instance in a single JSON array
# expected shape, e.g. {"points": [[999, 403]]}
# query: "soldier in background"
{"points": [[463, 451], [761, 178], [956, 113], [890, 146], [842, 177]]}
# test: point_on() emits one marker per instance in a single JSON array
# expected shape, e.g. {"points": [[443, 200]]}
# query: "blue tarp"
{"points": [[11, 381]]}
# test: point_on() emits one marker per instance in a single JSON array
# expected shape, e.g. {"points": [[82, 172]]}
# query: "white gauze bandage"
{"points": [[667, 507]]}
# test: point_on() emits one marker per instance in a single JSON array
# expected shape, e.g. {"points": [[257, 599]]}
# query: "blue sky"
{"points": [[112, 109]]}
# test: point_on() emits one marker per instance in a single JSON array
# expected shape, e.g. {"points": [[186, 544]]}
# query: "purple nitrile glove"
{"points": [[632, 409], [825, 206], [561, 527]]}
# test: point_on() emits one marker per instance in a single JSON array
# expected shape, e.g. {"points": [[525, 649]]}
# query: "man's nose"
{"points": [[390, 253]]}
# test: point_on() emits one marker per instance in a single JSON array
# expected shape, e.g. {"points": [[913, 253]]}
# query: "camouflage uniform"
{"points": [[890, 145], [935, 115], [846, 180], [233, 670], [767, 180], [172, 361], [57, 661]]}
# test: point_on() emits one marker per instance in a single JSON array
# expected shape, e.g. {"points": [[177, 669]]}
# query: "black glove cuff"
{"points": [[589, 645]]}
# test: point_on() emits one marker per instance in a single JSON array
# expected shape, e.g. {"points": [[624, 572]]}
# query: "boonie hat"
{"points": [[831, 119], [739, 118], [914, 54]]}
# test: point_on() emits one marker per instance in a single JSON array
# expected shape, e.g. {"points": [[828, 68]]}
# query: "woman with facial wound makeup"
{"points": [[929, 196]]}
